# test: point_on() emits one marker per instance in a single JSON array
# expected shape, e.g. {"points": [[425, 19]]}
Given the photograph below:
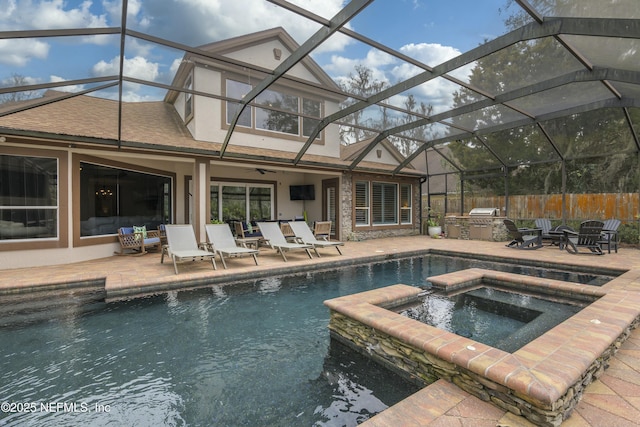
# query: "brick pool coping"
{"points": [[550, 372]]}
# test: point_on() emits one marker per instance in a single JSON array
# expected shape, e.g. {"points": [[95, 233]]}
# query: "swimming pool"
{"points": [[249, 354]]}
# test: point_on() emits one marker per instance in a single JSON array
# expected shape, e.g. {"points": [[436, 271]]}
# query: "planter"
{"points": [[434, 231]]}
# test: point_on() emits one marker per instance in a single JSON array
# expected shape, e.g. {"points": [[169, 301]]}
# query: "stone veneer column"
{"points": [[346, 206]]}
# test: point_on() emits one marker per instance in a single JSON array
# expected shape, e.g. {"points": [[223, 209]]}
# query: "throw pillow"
{"points": [[140, 231]]}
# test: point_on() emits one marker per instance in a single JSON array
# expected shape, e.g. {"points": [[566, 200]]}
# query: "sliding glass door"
{"points": [[233, 201]]}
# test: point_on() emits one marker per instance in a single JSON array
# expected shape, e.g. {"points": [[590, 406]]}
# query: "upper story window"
{"points": [[280, 120], [277, 112], [188, 99], [238, 90]]}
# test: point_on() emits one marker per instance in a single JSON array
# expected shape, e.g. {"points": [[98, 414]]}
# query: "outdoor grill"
{"points": [[480, 223], [480, 212]]}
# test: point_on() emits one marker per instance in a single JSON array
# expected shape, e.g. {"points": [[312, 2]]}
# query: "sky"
{"points": [[431, 31]]}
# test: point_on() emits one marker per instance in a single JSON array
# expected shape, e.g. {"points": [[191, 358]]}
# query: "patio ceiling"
{"points": [[563, 60]]}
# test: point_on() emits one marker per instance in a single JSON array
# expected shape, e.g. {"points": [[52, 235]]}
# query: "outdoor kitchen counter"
{"points": [[475, 227]]}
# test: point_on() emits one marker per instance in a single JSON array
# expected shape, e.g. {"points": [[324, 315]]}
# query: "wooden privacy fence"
{"points": [[623, 206]]}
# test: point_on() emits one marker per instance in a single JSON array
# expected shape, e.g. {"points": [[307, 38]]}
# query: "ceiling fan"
{"points": [[263, 171]]}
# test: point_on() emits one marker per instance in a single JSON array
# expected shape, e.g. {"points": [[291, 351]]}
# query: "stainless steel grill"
{"points": [[480, 223], [484, 212]]}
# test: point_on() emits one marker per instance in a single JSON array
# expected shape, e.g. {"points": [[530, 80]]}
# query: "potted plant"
{"points": [[433, 223]]}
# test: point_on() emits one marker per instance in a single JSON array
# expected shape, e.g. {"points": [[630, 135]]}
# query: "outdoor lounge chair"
{"points": [[223, 243], [609, 236], [275, 239], [304, 235], [523, 238], [586, 237], [545, 225], [136, 240], [182, 246]]}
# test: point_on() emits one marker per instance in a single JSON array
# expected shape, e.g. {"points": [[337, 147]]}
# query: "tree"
{"points": [[410, 142], [16, 80], [361, 84], [534, 165]]}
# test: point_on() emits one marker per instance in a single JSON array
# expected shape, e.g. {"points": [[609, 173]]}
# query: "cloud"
{"points": [[18, 80], [18, 52], [431, 54], [198, 22], [48, 14], [438, 92], [375, 60], [69, 88], [137, 67]]}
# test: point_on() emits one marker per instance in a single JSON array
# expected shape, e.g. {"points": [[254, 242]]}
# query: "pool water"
{"points": [[255, 354]]}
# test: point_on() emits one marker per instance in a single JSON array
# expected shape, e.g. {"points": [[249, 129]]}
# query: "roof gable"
{"points": [[256, 51], [352, 151]]}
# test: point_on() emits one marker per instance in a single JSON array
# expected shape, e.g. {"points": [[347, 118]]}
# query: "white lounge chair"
{"points": [[305, 235], [223, 243], [275, 239], [182, 246]]}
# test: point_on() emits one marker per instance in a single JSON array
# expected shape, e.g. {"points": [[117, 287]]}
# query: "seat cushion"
{"points": [[152, 241]]}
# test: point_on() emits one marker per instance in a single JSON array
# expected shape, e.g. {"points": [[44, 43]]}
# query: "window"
{"points": [[384, 209], [111, 198], [237, 90], [188, 99], [362, 203], [405, 204], [241, 201], [278, 112], [310, 108], [215, 202], [29, 203], [382, 203], [277, 120]]}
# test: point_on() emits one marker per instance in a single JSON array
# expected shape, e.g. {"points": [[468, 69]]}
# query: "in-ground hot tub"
{"points": [[499, 318], [542, 381]]}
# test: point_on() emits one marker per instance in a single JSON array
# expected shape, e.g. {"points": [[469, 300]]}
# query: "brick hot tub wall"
{"points": [[542, 381]]}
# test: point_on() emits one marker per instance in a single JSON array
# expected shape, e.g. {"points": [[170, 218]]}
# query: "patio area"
{"points": [[614, 399]]}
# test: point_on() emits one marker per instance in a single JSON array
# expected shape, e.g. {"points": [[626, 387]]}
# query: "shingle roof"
{"points": [[146, 125]]}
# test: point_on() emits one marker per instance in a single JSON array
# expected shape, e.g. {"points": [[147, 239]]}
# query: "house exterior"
{"points": [[74, 168]]}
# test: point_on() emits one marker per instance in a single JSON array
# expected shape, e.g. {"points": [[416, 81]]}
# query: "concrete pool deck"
{"points": [[612, 400]]}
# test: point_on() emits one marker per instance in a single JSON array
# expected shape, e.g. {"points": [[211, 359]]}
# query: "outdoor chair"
{"points": [[523, 238], [136, 240], [275, 239], [304, 235], [545, 225], [182, 246], [609, 236], [223, 243], [287, 232], [322, 230], [162, 231], [558, 236], [587, 237], [245, 230]]}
